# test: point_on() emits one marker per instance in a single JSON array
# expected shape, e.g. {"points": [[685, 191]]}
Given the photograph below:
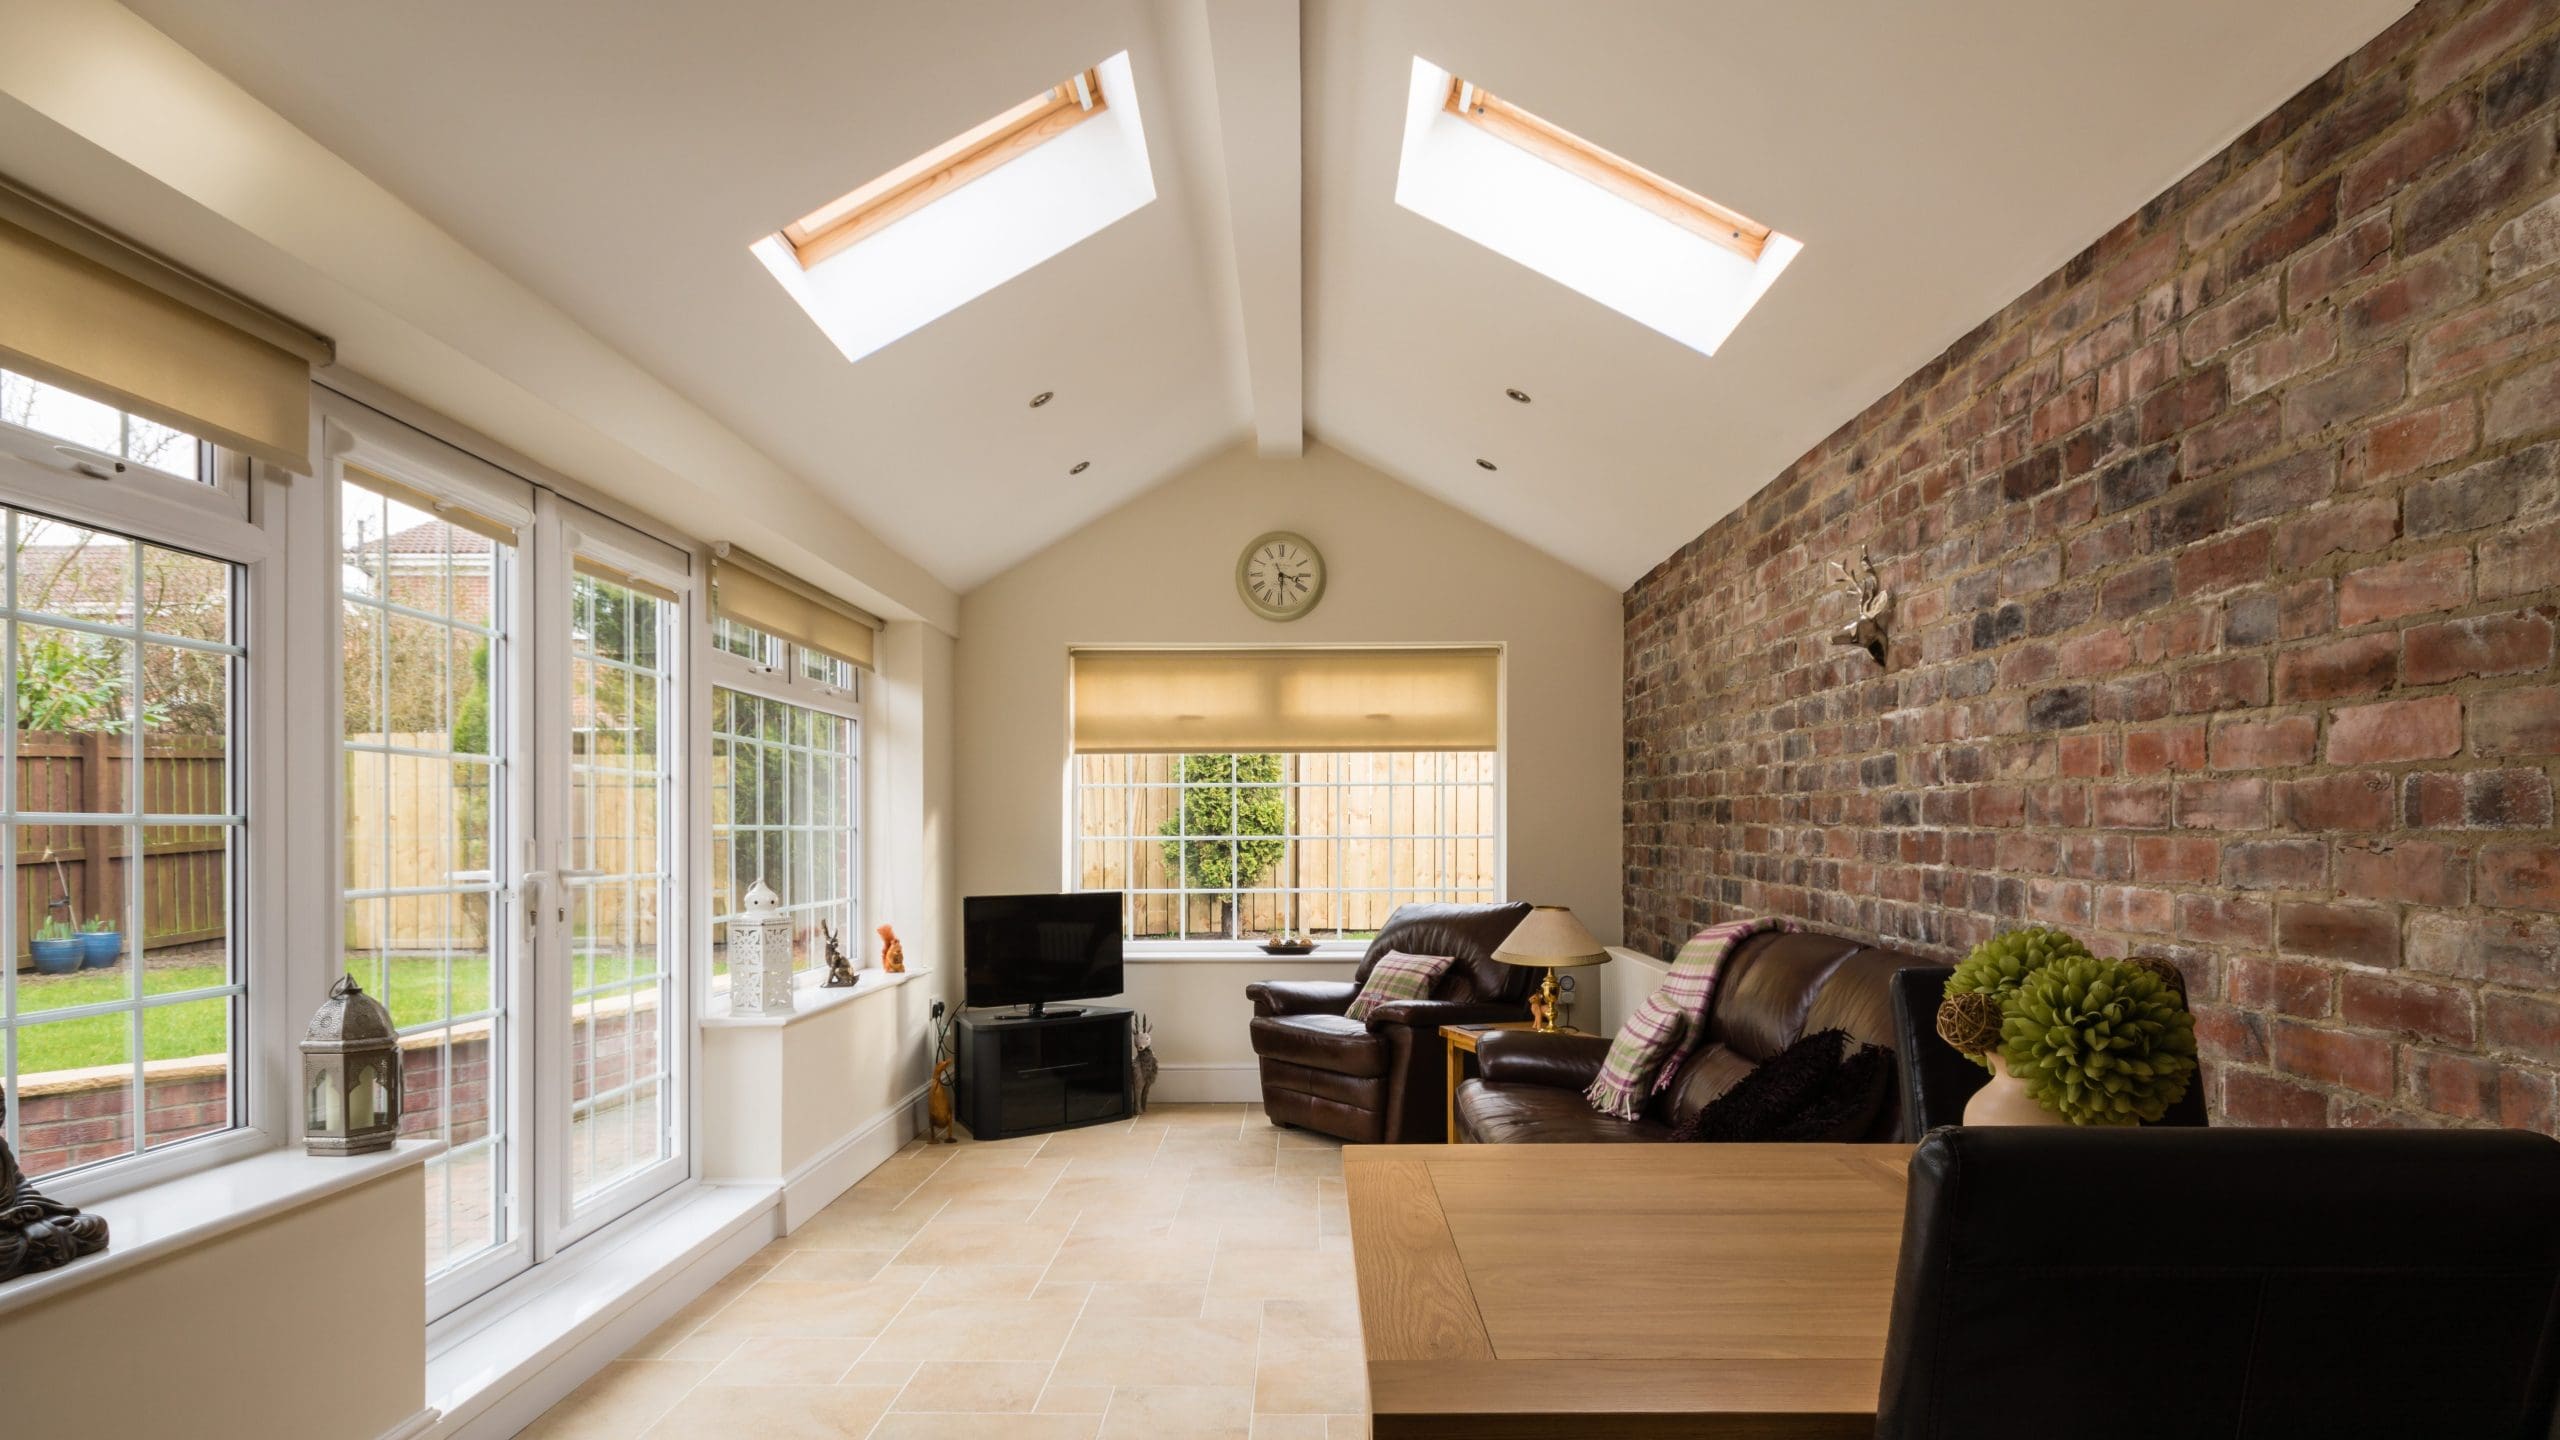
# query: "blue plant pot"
{"points": [[100, 948], [56, 957]]}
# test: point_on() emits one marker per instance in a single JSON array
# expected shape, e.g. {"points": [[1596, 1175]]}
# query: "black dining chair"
{"points": [[2240, 1284], [1937, 1079]]}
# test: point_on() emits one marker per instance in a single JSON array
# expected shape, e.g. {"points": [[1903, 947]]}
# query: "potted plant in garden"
{"points": [[100, 943], [2069, 1037], [56, 948]]}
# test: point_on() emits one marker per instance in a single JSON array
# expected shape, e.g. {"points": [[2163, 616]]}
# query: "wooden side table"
{"points": [[1462, 1042]]}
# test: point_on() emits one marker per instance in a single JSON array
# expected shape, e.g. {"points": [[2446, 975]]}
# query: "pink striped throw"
{"points": [[1672, 1022]]}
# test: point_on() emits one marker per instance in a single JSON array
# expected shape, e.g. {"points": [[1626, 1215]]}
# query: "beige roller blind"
{"points": [[593, 568], [84, 311], [460, 517], [751, 592], [1209, 701]]}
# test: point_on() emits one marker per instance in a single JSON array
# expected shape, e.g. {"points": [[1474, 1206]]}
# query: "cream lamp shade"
{"points": [[1553, 938]]}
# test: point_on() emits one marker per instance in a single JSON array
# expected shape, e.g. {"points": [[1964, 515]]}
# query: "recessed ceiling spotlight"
{"points": [[1043, 398], [1518, 394], [1078, 467], [1488, 465]]}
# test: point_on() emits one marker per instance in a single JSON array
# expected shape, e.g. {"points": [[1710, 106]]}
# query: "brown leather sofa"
{"points": [[1385, 1079], [1776, 989]]}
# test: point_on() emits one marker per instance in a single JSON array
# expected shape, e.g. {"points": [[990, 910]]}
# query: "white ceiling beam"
{"points": [[1253, 45]]}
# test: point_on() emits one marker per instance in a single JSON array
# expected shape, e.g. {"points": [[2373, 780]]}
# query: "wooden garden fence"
{"points": [[185, 884]]}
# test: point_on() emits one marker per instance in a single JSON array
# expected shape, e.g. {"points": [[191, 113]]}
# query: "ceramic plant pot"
{"points": [[100, 948], [55, 957], [2005, 1101]]}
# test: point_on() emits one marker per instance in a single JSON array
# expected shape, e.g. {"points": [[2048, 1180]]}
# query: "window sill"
{"points": [[807, 1001], [1349, 954], [158, 1221]]}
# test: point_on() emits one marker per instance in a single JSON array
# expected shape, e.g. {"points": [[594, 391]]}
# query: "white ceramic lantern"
{"points": [[351, 1085], [760, 955]]}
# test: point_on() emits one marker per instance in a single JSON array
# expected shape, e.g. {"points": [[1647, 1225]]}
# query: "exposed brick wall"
{"points": [[2228, 560]]}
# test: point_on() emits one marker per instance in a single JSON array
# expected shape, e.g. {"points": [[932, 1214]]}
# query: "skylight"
{"points": [[1585, 218], [915, 244]]}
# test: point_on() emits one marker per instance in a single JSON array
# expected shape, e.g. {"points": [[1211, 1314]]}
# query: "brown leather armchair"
{"points": [[1385, 1079]]}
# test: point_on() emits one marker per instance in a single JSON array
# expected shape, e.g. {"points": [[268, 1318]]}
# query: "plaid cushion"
{"points": [[1398, 977], [1658, 1038]]}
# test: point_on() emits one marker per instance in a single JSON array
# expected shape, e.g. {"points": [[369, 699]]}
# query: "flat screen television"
{"points": [[1033, 949]]}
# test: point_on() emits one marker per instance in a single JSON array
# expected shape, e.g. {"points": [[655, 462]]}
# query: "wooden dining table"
{"points": [[1629, 1290]]}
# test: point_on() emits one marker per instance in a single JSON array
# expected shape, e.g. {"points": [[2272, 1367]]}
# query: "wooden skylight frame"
{"points": [[1616, 174], [874, 206]]}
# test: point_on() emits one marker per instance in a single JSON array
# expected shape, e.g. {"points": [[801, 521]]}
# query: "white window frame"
{"points": [[783, 677], [241, 525], [223, 491], [1072, 869]]}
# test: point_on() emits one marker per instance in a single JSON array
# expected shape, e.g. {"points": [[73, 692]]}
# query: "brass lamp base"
{"points": [[1548, 991]]}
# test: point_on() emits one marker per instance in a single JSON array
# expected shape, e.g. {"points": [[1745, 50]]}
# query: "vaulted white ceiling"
{"points": [[616, 161]]}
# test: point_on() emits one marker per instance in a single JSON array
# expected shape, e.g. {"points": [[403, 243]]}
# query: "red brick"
{"points": [[2354, 528], [2437, 581], [2294, 224], [2087, 756], [2510, 949], [2411, 1008], [2264, 744], [2443, 281], [2224, 920], [2275, 864], [2473, 41], [2488, 334], [2358, 250], [2526, 243], [2132, 807], [2220, 444], [2225, 564], [2428, 729], [2523, 877], [2482, 645], [2149, 912], [2416, 149], [2516, 722], [2284, 987], [2158, 752], [2222, 804], [2529, 1024], [2099, 652], [2358, 665], [2255, 189], [2278, 358], [2524, 404], [2349, 392], [2176, 859], [2468, 1087], [2407, 443], [2249, 1098], [2332, 1057], [2415, 872], [2524, 484], [2475, 189], [2348, 800], [2520, 561], [2322, 930], [2232, 683]]}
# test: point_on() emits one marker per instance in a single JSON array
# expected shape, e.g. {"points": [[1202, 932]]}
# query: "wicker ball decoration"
{"points": [[1970, 1022]]}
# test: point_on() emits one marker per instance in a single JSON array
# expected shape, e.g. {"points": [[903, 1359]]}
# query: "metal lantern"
{"points": [[760, 955], [350, 1075]]}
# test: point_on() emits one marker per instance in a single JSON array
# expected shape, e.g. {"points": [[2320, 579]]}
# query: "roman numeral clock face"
{"points": [[1280, 576]]}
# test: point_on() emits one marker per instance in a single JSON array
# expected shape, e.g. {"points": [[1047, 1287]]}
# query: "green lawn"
{"points": [[178, 1031]]}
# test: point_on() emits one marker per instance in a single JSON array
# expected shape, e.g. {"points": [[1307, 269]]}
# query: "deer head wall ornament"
{"points": [[1874, 603]]}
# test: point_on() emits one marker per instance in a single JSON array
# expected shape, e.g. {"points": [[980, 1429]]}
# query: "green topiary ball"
{"points": [[2099, 1042], [2002, 963]]}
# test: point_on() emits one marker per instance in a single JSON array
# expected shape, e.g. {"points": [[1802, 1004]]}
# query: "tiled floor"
{"points": [[1182, 1276]]}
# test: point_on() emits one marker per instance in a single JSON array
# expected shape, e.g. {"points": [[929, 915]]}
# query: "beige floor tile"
{"points": [[925, 1426], [1006, 1330], [1287, 1427], [1310, 1360], [1115, 1297], [1346, 1427], [1138, 1349], [1074, 1400], [1195, 1412], [973, 1385], [1076, 1291], [862, 1227], [1280, 1274], [781, 1360], [714, 1348], [981, 1242], [619, 1401], [985, 1282], [892, 1373], [813, 1310], [1308, 1161], [782, 1412], [1147, 1260], [831, 1267]]}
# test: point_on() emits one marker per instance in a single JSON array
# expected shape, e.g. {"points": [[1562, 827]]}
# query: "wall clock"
{"points": [[1280, 576]]}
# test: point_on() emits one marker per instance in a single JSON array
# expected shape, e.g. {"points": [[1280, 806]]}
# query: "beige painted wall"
{"points": [[1401, 568], [306, 1326]]}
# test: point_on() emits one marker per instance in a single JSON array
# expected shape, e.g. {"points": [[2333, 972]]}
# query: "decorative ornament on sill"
{"points": [[760, 955], [351, 1083], [36, 1233], [1143, 1063], [840, 974], [893, 953], [937, 1105], [1875, 602]]}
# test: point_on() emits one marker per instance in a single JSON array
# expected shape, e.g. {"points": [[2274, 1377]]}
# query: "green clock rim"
{"points": [[1245, 591]]}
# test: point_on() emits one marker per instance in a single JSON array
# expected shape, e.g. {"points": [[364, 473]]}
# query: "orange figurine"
{"points": [[893, 956]]}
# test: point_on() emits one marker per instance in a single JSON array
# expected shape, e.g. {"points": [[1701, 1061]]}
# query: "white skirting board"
{"points": [[413, 1427], [1197, 1084], [815, 1185]]}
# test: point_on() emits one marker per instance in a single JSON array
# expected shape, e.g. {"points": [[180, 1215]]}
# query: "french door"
{"points": [[512, 673]]}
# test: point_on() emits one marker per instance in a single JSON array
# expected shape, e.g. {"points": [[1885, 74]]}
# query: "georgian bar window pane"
{"points": [[786, 807]]}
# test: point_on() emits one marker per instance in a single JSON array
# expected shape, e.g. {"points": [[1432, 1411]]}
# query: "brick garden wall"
{"points": [[2228, 560]]}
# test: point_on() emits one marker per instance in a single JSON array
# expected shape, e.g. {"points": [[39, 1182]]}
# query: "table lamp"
{"points": [[1553, 938]]}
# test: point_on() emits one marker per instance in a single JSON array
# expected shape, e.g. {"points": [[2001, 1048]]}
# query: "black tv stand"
{"points": [[1025, 1074], [1039, 1011]]}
